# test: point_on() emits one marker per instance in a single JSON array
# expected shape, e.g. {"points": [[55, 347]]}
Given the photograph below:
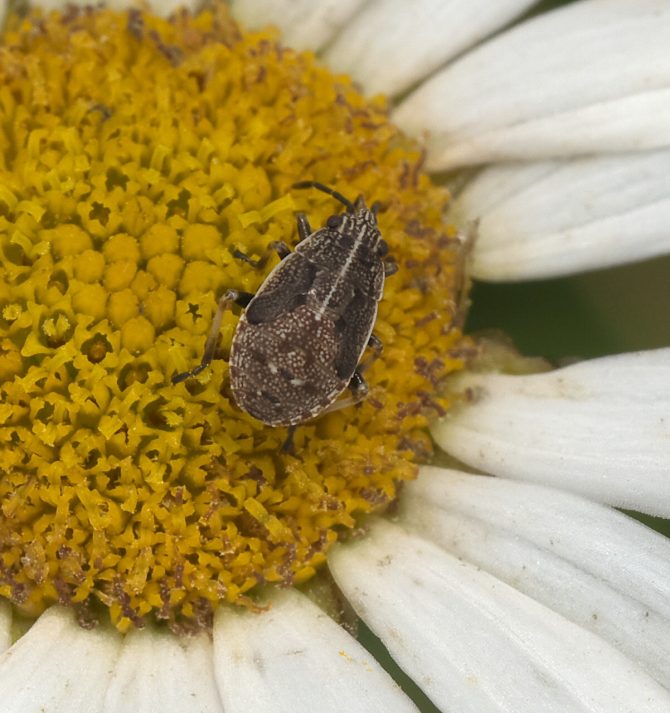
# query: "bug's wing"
{"points": [[283, 290], [354, 332]]}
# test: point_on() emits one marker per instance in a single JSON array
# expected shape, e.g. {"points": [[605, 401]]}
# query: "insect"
{"points": [[298, 345]]}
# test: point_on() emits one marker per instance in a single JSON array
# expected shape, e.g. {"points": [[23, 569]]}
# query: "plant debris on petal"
{"points": [[139, 156]]}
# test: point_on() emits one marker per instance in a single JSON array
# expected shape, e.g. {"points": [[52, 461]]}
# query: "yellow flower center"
{"points": [[138, 157]]}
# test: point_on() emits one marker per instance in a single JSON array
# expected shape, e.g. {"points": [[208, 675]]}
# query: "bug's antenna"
{"points": [[331, 192]]}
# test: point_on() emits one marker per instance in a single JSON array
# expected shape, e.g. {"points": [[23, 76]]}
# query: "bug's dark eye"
{"points": [[382, 248], [334, 221]]}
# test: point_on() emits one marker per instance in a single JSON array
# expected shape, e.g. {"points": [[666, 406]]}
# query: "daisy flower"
{"points": [[159, 551]]}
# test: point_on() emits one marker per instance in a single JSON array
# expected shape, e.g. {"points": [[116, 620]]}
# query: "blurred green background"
{"points": [[621, 309]]}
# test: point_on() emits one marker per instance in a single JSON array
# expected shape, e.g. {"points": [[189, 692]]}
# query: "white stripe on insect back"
{"points": [[345, 269], [343, 224]]}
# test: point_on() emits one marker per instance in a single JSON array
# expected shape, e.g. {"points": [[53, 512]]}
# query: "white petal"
{"points": [[305, 24], [58, 667], [294, 658], [473, 643], [5, 626], [389, 45], [539, 220], [591, 564], [600, 428], [157, 671], [590, 77], [164, 8]]}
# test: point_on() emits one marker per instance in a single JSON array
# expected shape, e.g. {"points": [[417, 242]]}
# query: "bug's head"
{"points": [[357, 216]]}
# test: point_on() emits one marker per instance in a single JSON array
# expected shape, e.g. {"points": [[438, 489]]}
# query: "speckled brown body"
{"points": [[301, 337]]}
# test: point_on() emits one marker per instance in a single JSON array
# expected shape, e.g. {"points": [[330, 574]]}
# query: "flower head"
{"points": [[153, 167], [146, 157]]}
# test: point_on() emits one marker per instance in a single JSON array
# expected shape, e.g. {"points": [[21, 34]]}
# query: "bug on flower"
{"points": [[298, 345]]}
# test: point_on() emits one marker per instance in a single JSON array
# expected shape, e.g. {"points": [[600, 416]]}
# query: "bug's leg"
{"points": [[375, 343], [359, 391], [278, 246], [358, 386], [242, 299], [281, 248], [390, 267], [245, 258], [229, 296], [288, 446], [304, 228]]}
